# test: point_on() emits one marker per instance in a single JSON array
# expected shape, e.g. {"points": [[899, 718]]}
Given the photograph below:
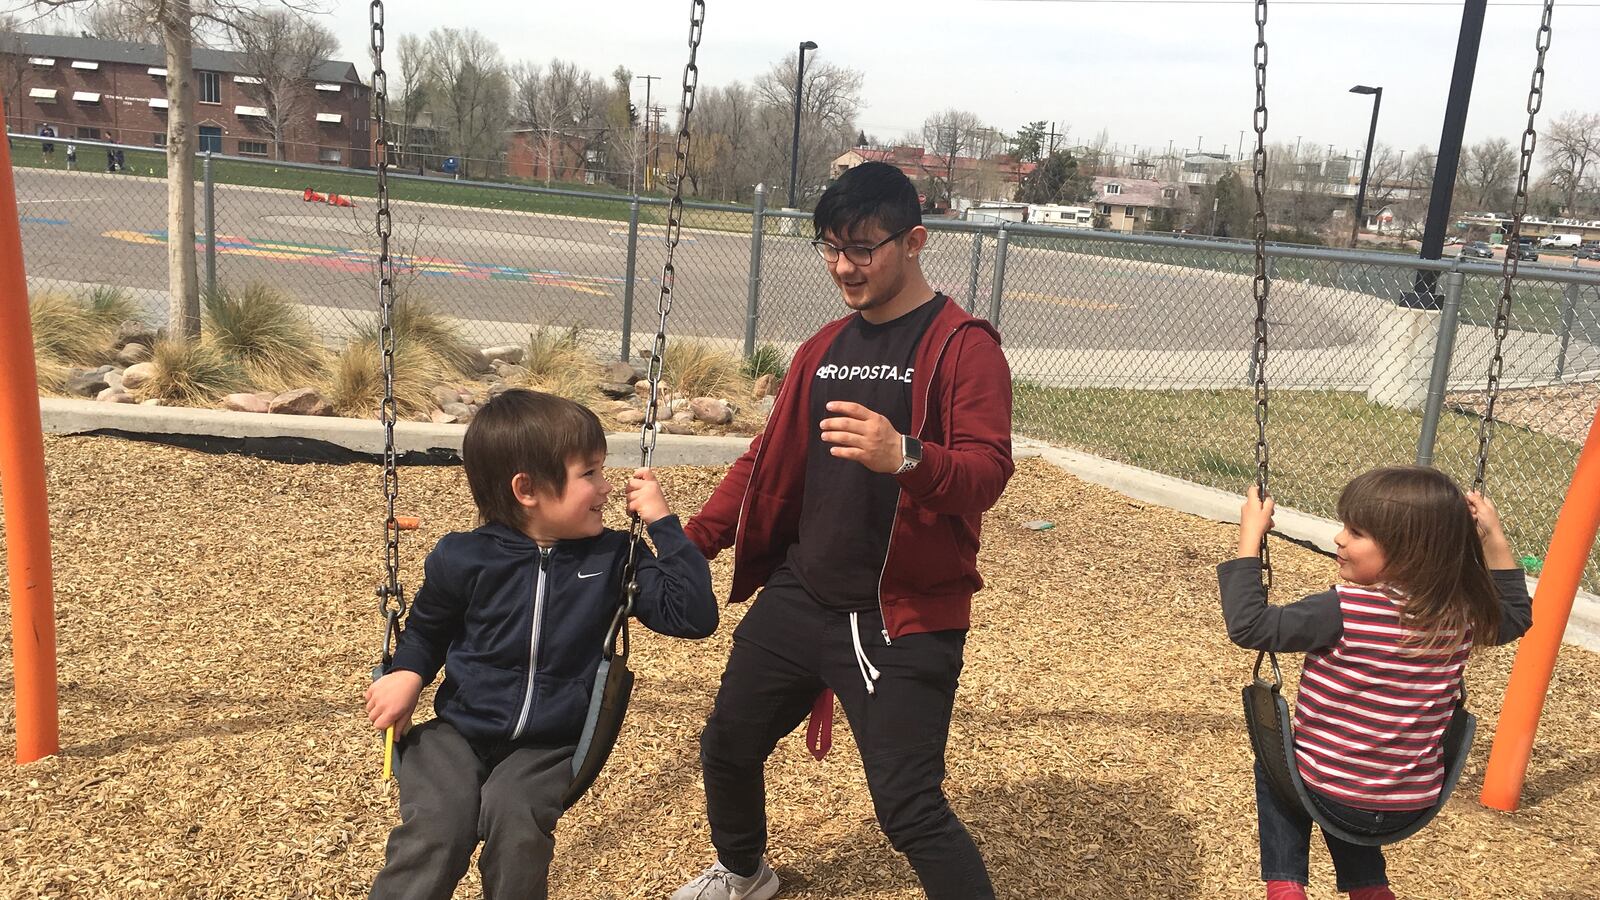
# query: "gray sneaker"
{"points": [[717, 883]]}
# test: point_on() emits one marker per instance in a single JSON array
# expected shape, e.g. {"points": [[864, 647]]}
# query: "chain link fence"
{"points": [[1131, 347]]}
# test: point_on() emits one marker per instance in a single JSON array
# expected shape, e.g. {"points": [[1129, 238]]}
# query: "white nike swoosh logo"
{"points": [[590, 575]]}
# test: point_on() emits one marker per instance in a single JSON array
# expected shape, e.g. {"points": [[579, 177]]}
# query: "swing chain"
{"points": [[391, 598], [1261, 283], [648, 431], [1508, 266]]}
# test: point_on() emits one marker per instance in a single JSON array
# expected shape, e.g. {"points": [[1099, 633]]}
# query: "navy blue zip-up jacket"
{"points": [[519, 629]]}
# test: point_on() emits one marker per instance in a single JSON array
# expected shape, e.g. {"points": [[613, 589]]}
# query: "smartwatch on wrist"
{"points": [[911, 449]]}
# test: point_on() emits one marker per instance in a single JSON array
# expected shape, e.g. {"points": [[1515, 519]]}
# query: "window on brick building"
{"points": [[209, 85]]}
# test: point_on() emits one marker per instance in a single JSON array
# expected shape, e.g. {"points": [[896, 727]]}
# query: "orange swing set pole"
{"points": [[27, 520], [1576, 527]]}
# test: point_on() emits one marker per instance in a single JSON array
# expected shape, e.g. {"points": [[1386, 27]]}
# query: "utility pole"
{"points": [[1053, 134], [1241, 143], [649, 81]]}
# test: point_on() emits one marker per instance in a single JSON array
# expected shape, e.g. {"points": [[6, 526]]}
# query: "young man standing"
{"points": [[857, 513]]}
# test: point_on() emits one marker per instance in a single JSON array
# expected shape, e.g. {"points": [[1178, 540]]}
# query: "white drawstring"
{"points": [[869, 673]]}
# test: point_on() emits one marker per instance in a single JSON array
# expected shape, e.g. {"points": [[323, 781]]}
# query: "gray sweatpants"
{"points": [[452, 797]]}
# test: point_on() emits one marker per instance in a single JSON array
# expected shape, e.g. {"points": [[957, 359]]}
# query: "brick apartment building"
{"points": [[93, 89]]}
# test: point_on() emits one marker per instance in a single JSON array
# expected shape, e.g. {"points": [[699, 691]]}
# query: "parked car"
{"points": [[1477, 250], [1561, 242], [1526, 250], [1589, 250]]}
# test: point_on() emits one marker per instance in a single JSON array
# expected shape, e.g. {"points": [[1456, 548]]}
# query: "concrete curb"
{"points": [[426, 443], [416, 441]]}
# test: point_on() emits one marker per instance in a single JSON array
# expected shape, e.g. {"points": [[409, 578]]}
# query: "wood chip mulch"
{"points": [[217, 625]]}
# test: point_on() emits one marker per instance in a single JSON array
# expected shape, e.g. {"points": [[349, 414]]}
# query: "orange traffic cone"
{"points": [[311, 196], [339, 200]]}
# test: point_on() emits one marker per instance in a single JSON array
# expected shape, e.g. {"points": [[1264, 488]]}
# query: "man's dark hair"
{"points": [[873, 193], [525, 432]]}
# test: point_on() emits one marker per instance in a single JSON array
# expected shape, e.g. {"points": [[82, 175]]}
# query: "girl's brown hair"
{"points": [[1420, 518]]}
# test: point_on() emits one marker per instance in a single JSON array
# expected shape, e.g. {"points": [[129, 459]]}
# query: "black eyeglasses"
{"points": [[858, 254]]}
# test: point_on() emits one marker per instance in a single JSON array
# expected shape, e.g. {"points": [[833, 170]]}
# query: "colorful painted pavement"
{"points": [[346, 259]]}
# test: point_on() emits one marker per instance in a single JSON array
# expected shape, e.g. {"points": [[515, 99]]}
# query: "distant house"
{"points": [[993, 178], [116, 91], [538, 154], [1135, 204], [1205, 168]]}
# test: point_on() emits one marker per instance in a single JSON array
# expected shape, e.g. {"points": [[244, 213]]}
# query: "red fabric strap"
{"points": [[819, 731]]}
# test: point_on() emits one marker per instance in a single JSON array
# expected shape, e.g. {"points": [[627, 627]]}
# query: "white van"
{"points": [[1562, 242]]}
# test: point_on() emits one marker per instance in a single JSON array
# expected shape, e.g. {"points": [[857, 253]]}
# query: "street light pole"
{"points": [[1366, 162], [794, 146], [649, 80]]}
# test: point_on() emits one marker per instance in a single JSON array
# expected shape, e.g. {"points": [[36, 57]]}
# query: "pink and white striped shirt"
{"points": [[1372, 710]]}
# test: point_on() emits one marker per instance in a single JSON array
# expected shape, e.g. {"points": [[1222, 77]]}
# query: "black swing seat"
{"points": [[1272, 737], [608, 707]]}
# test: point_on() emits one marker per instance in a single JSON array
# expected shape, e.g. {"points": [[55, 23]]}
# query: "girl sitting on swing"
{"points": [[1427, 573]]}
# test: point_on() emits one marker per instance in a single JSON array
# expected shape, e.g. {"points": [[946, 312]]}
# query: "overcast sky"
{"points": [[1147, 72]]}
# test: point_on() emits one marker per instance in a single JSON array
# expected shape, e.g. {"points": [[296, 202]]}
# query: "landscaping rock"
{"points": [[461, 411], [678, 404], [765, 386], [114, 395], [300, 402], [617, 406], [440, 417], [105, 369], [133, 352], [630, 417], [676, 427], [711, 410], [512, 373], [620, 373], [445, 393], [137, 375], [684, 416], [114, 379], [616, 390], [253, 403], [132, 331], [153, 401], [642, 388], [505, 353], [765, 404], [86, 382], [497, 389]]}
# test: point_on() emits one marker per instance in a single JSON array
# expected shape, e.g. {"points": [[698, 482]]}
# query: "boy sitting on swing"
{"points": [[516, 611]]}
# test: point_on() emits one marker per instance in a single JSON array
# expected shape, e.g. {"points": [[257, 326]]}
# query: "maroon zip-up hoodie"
{"points": [[961, 411]]}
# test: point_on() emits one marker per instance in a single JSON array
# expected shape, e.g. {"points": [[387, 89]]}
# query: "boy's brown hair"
{"points": [[1420, 518], [525, 432]]}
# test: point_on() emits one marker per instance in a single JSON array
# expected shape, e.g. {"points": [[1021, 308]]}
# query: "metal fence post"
{"points": [[627, 278], [1443, 348], [1569, 311], [209, 201], [997, 290], [752, 307], [972, 277]]}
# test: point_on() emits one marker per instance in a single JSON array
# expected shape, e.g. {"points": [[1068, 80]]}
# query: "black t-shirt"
{"points": [[848, 509]]}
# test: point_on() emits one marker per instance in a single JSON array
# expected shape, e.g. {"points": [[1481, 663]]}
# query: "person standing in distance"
{"points": [[857, 514]]}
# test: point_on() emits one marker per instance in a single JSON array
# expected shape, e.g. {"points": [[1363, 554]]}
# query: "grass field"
{"points": [[1319, 441]]}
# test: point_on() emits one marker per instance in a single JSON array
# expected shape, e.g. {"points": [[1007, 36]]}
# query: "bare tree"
{"points": [[469, 90], [13, 69], [1571, 147], [119, 22], [411, 90], [722, 163], [1487, 170], [830, 101], [283, 49], [179, 23], [950, 134]]}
